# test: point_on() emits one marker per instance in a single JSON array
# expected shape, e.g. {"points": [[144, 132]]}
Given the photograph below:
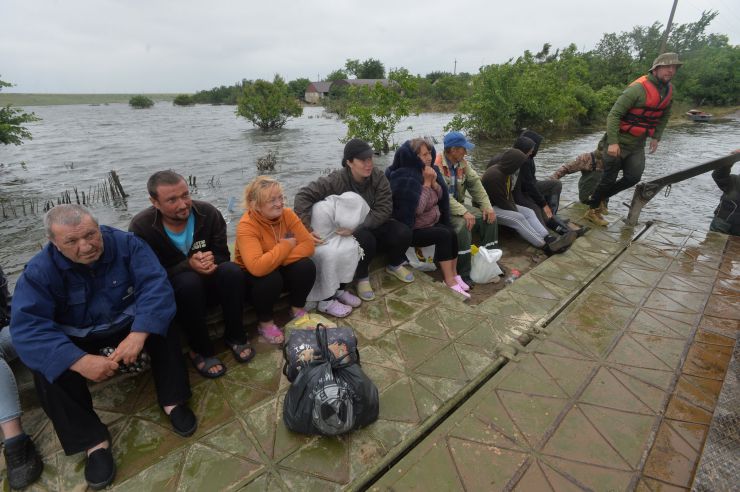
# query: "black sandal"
{"points": [[238, 348], [208, 363]]}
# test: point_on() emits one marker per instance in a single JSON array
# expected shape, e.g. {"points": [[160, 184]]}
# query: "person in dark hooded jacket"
{"points": [[498, 181], [422, 202], [542, 196], [727, 215]]}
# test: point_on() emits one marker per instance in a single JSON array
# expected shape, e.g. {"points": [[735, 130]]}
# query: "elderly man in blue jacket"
{"points": [[94, 290]]}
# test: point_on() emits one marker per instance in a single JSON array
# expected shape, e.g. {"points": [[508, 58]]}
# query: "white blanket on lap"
{"points": [[336, 260]]}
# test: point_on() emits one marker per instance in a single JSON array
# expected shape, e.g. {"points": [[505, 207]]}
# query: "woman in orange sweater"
{"points": [[274, 248]]}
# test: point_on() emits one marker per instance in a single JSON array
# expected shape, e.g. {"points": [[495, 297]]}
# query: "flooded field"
{"points": [[76, 146]]}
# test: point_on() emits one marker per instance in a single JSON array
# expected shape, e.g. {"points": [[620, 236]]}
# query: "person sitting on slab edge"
{"points": [[95, 289], [189, 238]]}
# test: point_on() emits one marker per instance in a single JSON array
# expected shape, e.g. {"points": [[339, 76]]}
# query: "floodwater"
{"points": [[76, 146]]}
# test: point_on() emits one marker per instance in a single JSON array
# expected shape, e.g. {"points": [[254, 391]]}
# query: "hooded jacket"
{"points": [[209, 234], [497, 178], [375, 190], [727, 215], [526, 184], [406, 180]]}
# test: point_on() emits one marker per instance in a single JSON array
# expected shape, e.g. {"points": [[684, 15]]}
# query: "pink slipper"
{"points": [[272, 334], [334, 308], [462, 283], [457, 288], [348, 298]]}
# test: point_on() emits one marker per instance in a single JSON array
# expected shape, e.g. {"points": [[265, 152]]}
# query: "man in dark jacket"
{"points": [[189, 238], [727, 215], [90, 291]]}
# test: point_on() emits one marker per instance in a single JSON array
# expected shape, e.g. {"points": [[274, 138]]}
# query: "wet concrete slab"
{"points": [[607, 377], [616, 392]]}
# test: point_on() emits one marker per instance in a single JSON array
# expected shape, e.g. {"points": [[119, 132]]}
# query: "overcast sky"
{"points": [[132, 46]]}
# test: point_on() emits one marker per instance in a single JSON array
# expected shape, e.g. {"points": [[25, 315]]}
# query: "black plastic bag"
{"points": [[330, 396], [302, 347]]}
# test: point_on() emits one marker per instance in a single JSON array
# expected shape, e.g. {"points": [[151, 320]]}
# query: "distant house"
{"points": [[339, 83], [317, 91]]}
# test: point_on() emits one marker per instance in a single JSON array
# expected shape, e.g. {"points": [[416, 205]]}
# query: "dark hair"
{"points": [[168, 177]]}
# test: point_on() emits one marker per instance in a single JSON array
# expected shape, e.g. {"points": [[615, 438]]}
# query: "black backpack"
{"points": [[331, 395]]}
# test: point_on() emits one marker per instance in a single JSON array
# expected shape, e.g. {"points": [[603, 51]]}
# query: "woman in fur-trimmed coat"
{"points": [[421, 201]]}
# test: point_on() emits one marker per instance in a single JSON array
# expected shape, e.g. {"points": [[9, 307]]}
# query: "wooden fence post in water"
{"points": [[116, 187]]}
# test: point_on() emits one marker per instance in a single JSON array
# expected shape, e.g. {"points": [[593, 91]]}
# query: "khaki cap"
{"points": [[666, 59]]}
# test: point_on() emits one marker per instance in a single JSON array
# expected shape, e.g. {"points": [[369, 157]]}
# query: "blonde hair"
{"points": [[256, 193]]}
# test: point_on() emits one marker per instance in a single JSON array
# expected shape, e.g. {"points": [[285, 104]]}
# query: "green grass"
{"points": [[19, 99]]}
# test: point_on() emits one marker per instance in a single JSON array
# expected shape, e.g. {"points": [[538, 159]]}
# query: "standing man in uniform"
{"points": [[641, 111]]}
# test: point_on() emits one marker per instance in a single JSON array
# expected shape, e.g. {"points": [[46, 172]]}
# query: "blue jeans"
{"points": [[10, 405]]}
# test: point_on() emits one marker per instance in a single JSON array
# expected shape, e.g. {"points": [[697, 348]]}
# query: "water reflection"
{"points": [[77, 146]]}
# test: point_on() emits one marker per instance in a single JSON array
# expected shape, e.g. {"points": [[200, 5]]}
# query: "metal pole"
{"points": [[664, 41]]}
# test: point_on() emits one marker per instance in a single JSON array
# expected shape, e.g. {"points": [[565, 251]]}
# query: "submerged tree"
{"points": [[140, 102], [12, 120], [374, 111], [268, 105]]}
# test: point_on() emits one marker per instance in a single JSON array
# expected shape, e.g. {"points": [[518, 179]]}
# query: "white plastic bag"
{"points": [[483, 267], [421, 258]]}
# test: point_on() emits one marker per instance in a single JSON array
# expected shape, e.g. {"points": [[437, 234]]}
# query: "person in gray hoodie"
{"points": [[379, 232]]}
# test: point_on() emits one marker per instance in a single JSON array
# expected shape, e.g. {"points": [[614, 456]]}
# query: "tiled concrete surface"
{"points": [[548, 419], [720, 458], [615, 397]]}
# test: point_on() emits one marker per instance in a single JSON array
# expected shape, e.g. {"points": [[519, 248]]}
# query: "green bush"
{"points": [[140, 102], [12, 120], [268, 105], [183, 100], [373, 112]]}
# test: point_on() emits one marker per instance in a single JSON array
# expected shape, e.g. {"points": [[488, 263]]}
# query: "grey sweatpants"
{"points": [[525, 222]]}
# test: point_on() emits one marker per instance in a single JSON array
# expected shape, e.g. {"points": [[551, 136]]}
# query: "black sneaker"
{"points": [[558, 244], [100, 468], [23, 462], [183, 420]]}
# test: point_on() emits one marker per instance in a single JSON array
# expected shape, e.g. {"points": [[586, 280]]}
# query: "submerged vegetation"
{"points": [[568, 88], [140, 102], [554, 88], [268, 105], [12, 120]]}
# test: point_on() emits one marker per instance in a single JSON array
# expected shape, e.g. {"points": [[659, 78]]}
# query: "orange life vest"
{"points": [[639, 121]]}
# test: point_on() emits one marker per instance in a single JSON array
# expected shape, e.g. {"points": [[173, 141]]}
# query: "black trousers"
{"points": [[631, 162], [392, 237], [194, 293], [443, 237], [550, 190], [68, 403], [297, 279]]}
